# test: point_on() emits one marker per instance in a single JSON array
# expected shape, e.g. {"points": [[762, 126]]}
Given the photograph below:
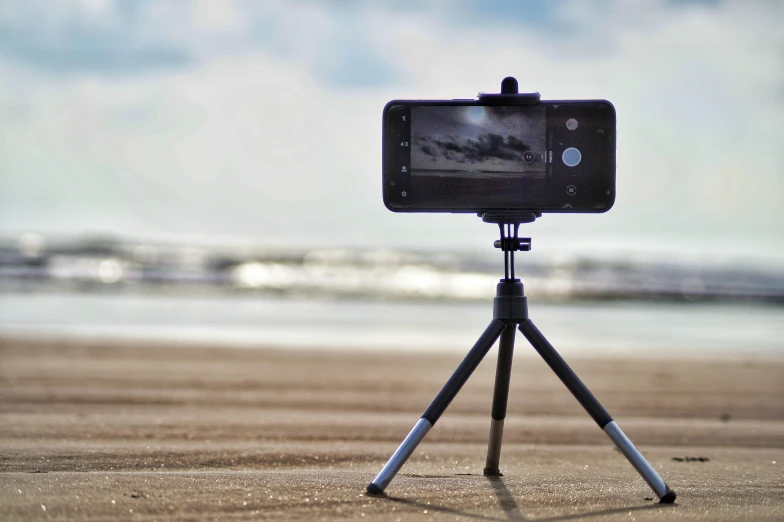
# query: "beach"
{"points": [[112, 430]]}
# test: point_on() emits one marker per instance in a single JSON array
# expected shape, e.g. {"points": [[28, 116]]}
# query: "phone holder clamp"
{"points": [[509, 95]]}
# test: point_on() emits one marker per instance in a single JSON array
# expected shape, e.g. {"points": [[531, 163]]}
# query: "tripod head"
{"points": [[510, 243]]}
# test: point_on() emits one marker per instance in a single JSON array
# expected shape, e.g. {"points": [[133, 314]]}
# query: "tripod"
{"points": [[510, 312]]}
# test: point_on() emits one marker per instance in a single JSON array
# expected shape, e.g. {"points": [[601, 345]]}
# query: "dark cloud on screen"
{"points": [[502, 112], [486, 147]]}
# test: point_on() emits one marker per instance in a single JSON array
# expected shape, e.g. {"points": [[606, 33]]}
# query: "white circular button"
{"points": [[571, 157]]}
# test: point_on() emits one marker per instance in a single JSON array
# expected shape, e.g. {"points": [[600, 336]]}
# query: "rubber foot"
{"points": [[668, 497], [493, 472], [373, 489]]}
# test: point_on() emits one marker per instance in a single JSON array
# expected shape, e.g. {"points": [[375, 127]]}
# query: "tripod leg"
{"points": [[437, 407], [596, 410], [503, 373]]}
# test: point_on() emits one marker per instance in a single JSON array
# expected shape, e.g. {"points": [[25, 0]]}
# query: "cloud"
{"points": [[119, 38], [102, 36], [486, 148]]}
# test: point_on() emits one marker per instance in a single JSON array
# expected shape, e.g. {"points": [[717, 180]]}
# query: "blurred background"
{"points": [[210, 172]]}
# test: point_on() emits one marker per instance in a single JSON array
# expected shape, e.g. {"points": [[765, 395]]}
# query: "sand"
{"points": [[111, 431]]}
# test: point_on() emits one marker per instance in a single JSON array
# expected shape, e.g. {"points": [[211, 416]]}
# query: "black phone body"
{"points": [[463, 156]]}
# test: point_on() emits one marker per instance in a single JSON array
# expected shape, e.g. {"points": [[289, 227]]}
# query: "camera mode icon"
{"points": [[571, 190], [529, 156]]}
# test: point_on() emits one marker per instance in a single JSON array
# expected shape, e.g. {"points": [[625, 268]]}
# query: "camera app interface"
{"points": [[478, 141], [557, 156]]}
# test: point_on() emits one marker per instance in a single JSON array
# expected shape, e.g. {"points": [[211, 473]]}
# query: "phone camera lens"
{"points": [[529, 156], [571, 157]]}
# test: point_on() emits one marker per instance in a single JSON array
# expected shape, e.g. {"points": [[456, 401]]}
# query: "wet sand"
{"points": [[98, 431]]}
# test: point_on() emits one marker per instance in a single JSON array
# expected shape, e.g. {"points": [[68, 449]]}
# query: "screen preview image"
{"points": [[478, 141]]}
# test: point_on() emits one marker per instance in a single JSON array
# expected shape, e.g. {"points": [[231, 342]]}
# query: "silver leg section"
{"points": [[494, 448], [638, 461], [400, 456]]}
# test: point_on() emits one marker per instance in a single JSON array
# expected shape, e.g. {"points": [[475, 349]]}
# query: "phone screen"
{"points": [[464, 157]]}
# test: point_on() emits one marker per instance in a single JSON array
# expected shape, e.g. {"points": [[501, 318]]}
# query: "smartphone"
{"points": [[463, 156]]}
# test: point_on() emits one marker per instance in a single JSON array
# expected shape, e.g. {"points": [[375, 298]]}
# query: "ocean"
{"points": [[623, 328]]}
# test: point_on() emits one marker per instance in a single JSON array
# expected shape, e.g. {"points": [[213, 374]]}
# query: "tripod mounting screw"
{"points": [[511, 244]]}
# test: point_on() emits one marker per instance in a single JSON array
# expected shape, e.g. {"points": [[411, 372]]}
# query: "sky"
{"points": [[261, 120]]}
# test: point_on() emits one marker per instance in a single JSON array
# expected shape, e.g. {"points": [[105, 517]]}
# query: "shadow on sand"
{"points": [[512, 511]]}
